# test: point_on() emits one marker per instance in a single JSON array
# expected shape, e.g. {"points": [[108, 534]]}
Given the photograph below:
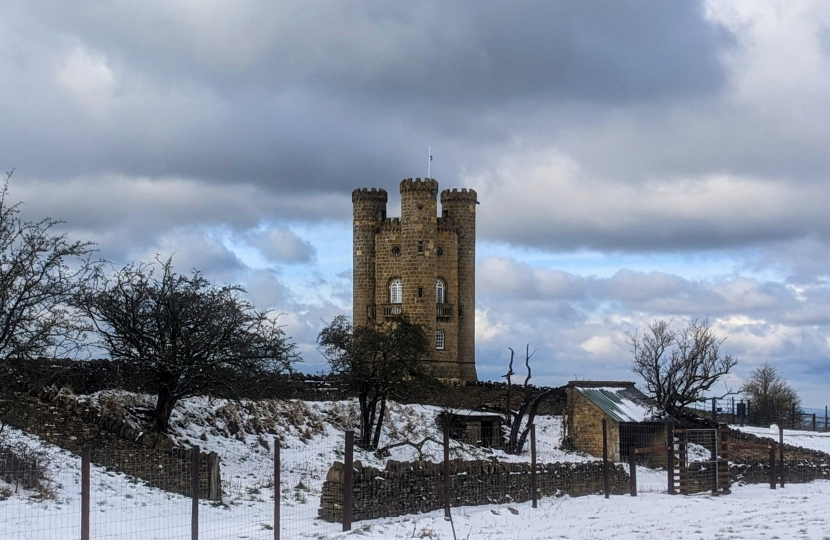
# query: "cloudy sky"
{"points": [[634, 159]]}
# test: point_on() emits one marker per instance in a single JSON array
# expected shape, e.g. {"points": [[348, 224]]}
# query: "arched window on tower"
{"points": [[439, 340], [395, 291], [440, 292]]}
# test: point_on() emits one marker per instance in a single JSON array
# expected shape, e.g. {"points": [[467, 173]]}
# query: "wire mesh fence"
{"points": [[315, 487], [33, 502]]}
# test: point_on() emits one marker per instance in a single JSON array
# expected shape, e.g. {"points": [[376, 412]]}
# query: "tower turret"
{"points": [[460, 207], [369, 207], [419, 217]]}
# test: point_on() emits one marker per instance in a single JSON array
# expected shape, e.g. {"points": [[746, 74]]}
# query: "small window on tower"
{"points": [[439, 251], [396, 250], [439, 340], [420, 292], [420, 247]]}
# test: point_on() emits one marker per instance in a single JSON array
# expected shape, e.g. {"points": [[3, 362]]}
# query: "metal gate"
{"points": [[701, 461]]}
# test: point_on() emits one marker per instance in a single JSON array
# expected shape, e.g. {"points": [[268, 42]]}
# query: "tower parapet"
{"points": [[428, 185], [462, 195], [370, 195]]}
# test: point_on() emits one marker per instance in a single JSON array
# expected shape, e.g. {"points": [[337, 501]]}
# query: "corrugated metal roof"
{"points": [[623, 404]]}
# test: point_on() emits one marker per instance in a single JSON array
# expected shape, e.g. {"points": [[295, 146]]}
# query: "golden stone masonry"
{"points": [[421, 265]]}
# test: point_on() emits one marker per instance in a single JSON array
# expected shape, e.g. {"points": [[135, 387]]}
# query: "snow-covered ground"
{"points": [[806, 439], [750, 512], [312, 438]]}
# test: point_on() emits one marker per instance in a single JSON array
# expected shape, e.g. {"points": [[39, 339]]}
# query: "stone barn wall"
{"points": [[585, 427]]}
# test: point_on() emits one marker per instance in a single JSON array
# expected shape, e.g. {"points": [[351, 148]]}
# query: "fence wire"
{"points": [[148, 494]]}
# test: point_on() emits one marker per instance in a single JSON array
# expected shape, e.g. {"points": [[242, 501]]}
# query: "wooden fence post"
{"points": [[194, 492], [446, 475], [814, 421], [348, 482], [533, 465], [85, 472], [670, 457], [781, 450], [277, 489], [214, 477], [772, 470], [605, 458], [632, 470]]}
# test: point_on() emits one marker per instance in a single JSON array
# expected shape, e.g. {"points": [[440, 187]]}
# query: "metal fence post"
{"points": [[194, 493], [781, 450], [714, 411], [632, 470], [814, 421], [772, 466], [446, 474], [348, 482], [277, 489], [533, 464], [605, 458], [85, 471], [670, 457]]}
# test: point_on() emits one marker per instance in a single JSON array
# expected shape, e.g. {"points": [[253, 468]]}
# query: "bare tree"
{"points": [[377, 363], [679, 366], [532, 397], [772, 397], [40, 271], [182, 335]]}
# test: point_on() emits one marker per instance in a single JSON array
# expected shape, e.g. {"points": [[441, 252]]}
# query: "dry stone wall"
{"points": [[415, 487], [152, 457]]}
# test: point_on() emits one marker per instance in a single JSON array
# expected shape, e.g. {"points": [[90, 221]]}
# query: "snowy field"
{"points": [[750, 512], [312, 437], [806, 439]]}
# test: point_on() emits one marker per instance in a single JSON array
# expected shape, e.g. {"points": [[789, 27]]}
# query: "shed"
{"points": [[632, 420], [477, 428]]}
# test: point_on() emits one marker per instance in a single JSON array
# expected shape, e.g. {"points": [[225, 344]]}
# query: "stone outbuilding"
{"points": [[477, 428], [632, 420]]}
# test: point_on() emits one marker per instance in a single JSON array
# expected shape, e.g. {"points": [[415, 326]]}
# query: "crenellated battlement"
{"points": [[391, 224], [427, 185], [367, 194], [459, 195], [446, 224]]}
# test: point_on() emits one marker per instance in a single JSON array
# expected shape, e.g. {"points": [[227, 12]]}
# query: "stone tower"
{"points": [[421, 265]]}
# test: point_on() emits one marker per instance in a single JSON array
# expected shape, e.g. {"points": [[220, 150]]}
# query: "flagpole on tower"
{"points": [[429, 165]]}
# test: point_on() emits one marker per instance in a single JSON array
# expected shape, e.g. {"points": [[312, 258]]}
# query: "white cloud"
{"points": [[88, 78]]}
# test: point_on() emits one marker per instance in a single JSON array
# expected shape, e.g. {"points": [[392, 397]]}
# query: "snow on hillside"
{"points": [[805, 439], [311, 437]]}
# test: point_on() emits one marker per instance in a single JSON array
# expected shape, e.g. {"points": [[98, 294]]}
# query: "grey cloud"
{"points": [[197, 250], [657, 293], [584, 336], [282, 245], [127, 213], [301, 97]]}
